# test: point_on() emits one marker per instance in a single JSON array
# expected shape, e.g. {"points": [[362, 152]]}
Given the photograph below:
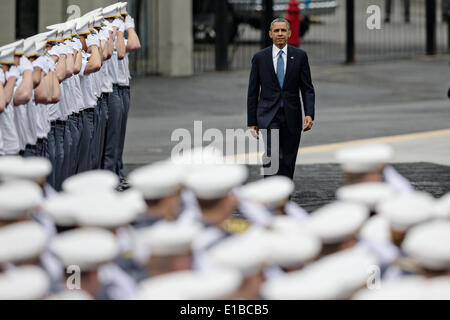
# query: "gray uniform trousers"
{"points": [[125, 95], [59, 154], [67, 152], [85, 142], [51, 180], [115, 110], [95, 148], [103, 124], [75, 133]]}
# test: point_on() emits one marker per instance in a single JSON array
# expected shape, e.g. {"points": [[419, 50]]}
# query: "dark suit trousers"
{"points": [[289, 144]]}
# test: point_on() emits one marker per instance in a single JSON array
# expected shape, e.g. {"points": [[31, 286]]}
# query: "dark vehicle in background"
{"points": [[251, 12]]}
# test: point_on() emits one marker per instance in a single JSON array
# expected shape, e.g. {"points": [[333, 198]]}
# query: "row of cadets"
{"points": [[72, 100]]}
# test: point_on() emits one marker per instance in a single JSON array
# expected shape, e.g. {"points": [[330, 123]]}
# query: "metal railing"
{"points": [[405, 34]]}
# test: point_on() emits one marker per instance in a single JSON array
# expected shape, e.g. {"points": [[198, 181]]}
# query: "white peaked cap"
{"points": [[7, 56], [272, 192], [428, 244], [113, 11], [17, 198], [69, 27], [365, 158], [338, 221], [334, 277], [24, 283], [18, 47], [59, 28], [216, 181], [212, 284], [36, 45], [20, 242], [158, 180], [12, 168], [29, 47], [91, 182], [40, 48], [169, 238], [244, 252], [51, 35], [369, 194], [123, 9], [62, 209], [403, 288], [290, 250], [98, 21], [87, 248], [82, 26], [407, 210], [109, 210], [71, 295]]}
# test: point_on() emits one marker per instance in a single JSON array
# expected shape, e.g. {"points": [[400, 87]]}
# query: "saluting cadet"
{"points": [[22, 96], [11, 144], [57, 111], [41, 94], [115, 102], [132, 44]]}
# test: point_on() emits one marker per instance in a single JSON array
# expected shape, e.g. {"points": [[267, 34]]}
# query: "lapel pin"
{"points": [[292, 58]]}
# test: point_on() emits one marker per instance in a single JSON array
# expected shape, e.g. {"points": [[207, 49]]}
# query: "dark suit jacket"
{"points": [[264, 92]]}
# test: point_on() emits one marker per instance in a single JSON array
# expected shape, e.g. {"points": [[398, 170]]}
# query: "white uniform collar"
{"points": [[276, 50]]}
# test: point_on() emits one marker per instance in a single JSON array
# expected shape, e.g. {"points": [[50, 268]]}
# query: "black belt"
{"points": [[124, 87], [60, 122], [42, 140]]}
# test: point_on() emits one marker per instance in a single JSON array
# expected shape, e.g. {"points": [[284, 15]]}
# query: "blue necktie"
{"points": [[280, 73], [280, 69]]}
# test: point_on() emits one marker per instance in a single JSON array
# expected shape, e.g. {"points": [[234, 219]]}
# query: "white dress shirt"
{"points": [[275, 53]]}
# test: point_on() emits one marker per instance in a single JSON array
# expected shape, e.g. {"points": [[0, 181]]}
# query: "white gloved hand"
{"points": [[51, 65], [2, 77], [76, 44], [69, 46], [92, 40], [129, 23], [25, 65], [63, 50], [119, 24], [54, 51], [41, 63], [103, 35], [13, 72]]}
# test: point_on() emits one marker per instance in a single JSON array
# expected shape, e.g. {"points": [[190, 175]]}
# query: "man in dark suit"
{"points": [[278, 74]]}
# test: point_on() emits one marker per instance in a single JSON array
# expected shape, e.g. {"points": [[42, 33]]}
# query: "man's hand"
{"points": [[308, 124], [255, 132]]}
